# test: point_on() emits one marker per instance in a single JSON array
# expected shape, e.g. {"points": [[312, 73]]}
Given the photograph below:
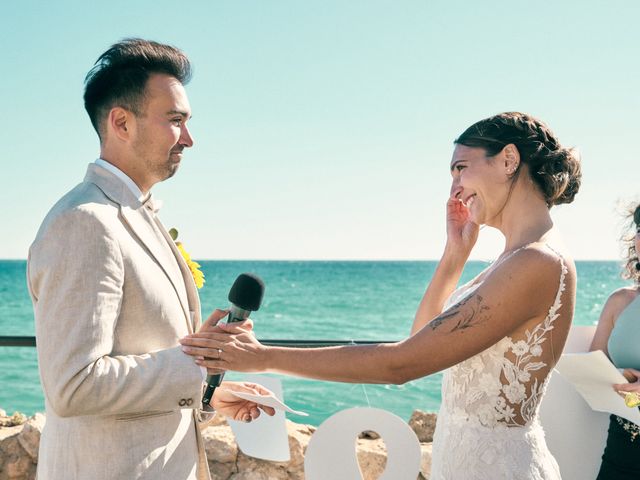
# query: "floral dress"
{"points": [[488, 425]]}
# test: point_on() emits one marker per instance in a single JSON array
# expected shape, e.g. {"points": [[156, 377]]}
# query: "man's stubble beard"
{"points": [[164, 170], [160, 171], [172, 169]]}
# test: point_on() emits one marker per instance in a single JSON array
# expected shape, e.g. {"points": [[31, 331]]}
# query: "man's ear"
{"points": [[120, 123], [511, 158]]}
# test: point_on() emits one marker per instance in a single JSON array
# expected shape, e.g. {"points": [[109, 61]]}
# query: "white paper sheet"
{"points": [[592, 374], [265, 437], [269, 401]]}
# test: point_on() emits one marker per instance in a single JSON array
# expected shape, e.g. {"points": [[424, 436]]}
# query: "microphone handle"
{"points": [[236, 314]]}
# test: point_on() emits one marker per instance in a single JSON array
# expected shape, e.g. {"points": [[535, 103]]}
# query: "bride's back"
{"points": [[503, 384]]}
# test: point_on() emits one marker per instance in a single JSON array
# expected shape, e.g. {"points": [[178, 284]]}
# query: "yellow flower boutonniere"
{"points": [[198, 276]]}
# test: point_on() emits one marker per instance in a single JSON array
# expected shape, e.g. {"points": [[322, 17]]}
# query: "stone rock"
{"points": [[29, 437], [220, 444], [250, 468], [222, 471], [21, 469], [19, 451], [227, 462], [8, 432], [3, 413], [9, 446], [15, 463], [372, 457], [16, 419], [255, 475], [296, 475], [423, 423], [217, 420], [299, 436], [370, 434]]}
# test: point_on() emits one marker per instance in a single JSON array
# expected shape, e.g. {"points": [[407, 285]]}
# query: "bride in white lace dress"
{"points": [[497, 337], [488, 425]]}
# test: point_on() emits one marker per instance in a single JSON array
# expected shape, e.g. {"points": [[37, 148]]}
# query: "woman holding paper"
{"points": [[498, 336], [618, 335]]}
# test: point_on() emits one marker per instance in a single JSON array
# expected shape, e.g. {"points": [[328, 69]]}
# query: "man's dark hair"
{"points": [[119, 76]]}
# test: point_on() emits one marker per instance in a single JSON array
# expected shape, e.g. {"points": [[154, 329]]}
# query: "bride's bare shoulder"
{"points": [[544, 258]]}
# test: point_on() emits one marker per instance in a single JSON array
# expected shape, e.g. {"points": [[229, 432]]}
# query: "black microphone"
{"points": [[245, 296]]}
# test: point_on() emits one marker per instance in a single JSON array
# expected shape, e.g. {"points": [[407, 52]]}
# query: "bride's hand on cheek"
{"points": [[462, 232]]}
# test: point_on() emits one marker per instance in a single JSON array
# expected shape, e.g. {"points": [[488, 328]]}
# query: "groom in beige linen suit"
{"points": [[112, 295]]}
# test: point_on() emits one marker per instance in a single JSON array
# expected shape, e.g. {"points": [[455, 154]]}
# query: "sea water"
{"points": [[338, 300]]}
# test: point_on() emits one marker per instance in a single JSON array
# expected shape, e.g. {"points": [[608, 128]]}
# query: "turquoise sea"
{"points": [[303, 300]]}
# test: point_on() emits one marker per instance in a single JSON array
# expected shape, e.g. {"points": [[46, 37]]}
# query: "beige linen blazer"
{"points": [[112, 296]]}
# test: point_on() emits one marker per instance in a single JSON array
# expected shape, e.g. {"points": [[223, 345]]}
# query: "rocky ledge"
{"points": [[20, 436]]}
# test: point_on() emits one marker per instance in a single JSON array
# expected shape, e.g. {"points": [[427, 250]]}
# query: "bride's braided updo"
{"points": [[553, 168]]}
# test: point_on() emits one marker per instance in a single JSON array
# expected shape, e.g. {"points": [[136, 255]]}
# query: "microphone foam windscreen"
{"points": [[247, 291]]}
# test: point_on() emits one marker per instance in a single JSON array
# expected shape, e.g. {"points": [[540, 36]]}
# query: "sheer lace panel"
{"points": [[503, 385]]}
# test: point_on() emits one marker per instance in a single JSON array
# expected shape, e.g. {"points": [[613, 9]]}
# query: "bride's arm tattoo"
{"points": [[474, 314]]}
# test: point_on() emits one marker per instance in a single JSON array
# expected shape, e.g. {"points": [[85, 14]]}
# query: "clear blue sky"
{"points": [[324, 129]]}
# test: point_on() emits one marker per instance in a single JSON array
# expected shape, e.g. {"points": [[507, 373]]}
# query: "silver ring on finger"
{"points": [[219, 353]]}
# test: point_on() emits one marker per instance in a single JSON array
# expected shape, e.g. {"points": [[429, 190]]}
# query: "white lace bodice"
{"points": [[499, 386], [488, 421]]}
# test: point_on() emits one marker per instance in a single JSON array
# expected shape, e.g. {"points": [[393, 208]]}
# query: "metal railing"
{"points": [[17, 341], [30, 341]]}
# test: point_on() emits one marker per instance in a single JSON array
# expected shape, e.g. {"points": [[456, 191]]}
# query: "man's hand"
{"points": [[211, 324], [236, 408]]}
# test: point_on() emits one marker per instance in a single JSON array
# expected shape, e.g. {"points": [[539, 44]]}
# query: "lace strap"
{"points": [[547, 324]]}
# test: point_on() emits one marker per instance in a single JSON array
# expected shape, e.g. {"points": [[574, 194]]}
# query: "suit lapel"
{"points": [[187, 276], [142, 224]]}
